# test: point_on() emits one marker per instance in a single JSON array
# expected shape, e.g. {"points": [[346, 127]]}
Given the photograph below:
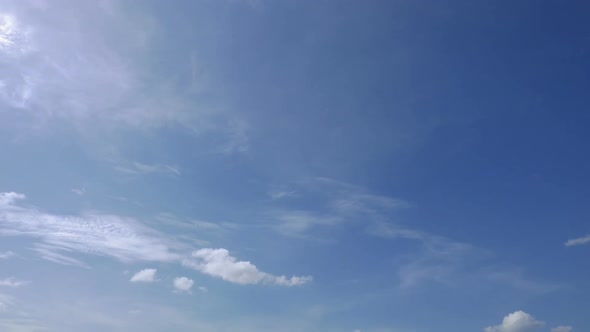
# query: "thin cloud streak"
{"points": [[13, 282], [578, 242], [137, 168]]}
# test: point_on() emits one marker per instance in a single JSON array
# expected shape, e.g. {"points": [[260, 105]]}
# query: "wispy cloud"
{"points": [[145, 275], [281, 194], [516, 278], [52, 253], [137, 168], [434, 258], [61, 236], [219, 263], [173, 220], [562, 329], [12, 282], [79, 191], [298, 222], [578, 242], [337, 203], [7, 254], [5, 302]]}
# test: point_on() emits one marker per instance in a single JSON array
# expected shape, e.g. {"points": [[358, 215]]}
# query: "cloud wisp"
{"points": [[137, 168], [145, 275], [219, 263], [12, 282], [434, 258], [578, 241], [61, 236], [7, 254], [562, 329]]}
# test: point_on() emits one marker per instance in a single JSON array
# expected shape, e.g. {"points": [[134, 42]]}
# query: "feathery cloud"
{"points": [[61, 236]]}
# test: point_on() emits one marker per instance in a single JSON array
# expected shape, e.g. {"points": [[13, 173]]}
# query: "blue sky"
{"points": [[374, 166]]}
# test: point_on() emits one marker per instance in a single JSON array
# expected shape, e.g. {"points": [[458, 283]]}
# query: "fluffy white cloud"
{"points": [[579, 241], [97, 234], [518, 321], [219, 263], [12, 282], [183, 284], [145, 275], [562, 329]]}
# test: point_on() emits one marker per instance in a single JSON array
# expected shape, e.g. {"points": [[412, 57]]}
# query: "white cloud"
{"points": [[61, 236], [9, 198], [145, 275], [562, 329], [6, 254], [578, 241], [219, 263], [12, 282], [183, 284], [518, 321]]}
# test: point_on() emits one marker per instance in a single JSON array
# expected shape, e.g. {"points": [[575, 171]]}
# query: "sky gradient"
{"points": [[290, 166]]}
